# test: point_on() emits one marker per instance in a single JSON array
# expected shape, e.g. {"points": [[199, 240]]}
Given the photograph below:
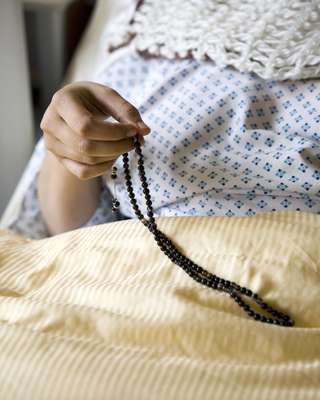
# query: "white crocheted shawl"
{"points": [[276, 39]]}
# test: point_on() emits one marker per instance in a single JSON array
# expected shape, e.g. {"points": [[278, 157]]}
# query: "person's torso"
{"points": [[222, 142]]}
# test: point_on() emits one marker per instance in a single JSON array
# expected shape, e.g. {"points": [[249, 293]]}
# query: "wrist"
{"points": [[66, 201]]}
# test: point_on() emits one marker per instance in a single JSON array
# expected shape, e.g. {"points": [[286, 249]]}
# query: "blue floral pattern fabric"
{"points": [[222, 142]]}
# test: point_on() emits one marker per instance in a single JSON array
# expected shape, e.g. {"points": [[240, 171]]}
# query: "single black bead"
{"points": [[152, 228], [113, 176], [283, 316], [220, 287], [137, 210], [146, 192]]}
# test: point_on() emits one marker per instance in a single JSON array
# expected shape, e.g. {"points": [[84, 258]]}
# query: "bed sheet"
{"points": [[102, 313]]}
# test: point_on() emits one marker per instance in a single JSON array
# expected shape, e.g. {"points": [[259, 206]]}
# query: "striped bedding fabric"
{"points": [[101, 313]]}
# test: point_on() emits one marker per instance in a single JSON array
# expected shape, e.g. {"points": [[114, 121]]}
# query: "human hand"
{"points": [[76, 131]]}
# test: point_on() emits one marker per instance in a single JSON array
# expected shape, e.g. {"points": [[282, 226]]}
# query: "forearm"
{"points": [[66, 201]]}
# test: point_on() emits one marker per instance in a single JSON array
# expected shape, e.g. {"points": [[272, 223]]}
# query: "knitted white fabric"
{"points": [[278, 39]]}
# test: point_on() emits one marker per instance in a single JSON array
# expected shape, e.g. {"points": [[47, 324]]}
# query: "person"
{"points": [[217, 141]]}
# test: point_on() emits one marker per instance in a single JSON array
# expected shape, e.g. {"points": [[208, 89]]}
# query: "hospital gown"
{"points": [[222, 143]]}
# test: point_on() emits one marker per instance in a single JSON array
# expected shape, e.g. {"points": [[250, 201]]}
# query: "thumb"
{"points": [[120, 109]]}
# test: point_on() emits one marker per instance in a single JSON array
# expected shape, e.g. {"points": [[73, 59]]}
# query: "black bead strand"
{"points": [[192, 269]]}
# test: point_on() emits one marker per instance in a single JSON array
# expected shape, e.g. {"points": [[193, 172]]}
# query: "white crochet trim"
{"points": [[276, 39]]}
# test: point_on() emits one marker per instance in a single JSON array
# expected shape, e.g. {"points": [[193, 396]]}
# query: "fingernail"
{"points": [[132, 132], [141, 140], [144, 128]]}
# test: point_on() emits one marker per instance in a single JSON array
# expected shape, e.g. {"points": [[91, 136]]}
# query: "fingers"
{"points": [[89, 153], [115, 105], [119, 108], [77, 133], [84, 171], [76, 108], [61, 150], [85, 124], [86, 147]]}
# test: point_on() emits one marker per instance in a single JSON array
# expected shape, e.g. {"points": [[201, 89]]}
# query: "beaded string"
{"points": [[196, 272], [115, 201]]}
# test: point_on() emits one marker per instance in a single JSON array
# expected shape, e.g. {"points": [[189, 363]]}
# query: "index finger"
{"points": [[87, 125], [119, 108]]}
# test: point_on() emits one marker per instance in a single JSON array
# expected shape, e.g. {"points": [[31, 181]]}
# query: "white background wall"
{"points": [[16, 126]]}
